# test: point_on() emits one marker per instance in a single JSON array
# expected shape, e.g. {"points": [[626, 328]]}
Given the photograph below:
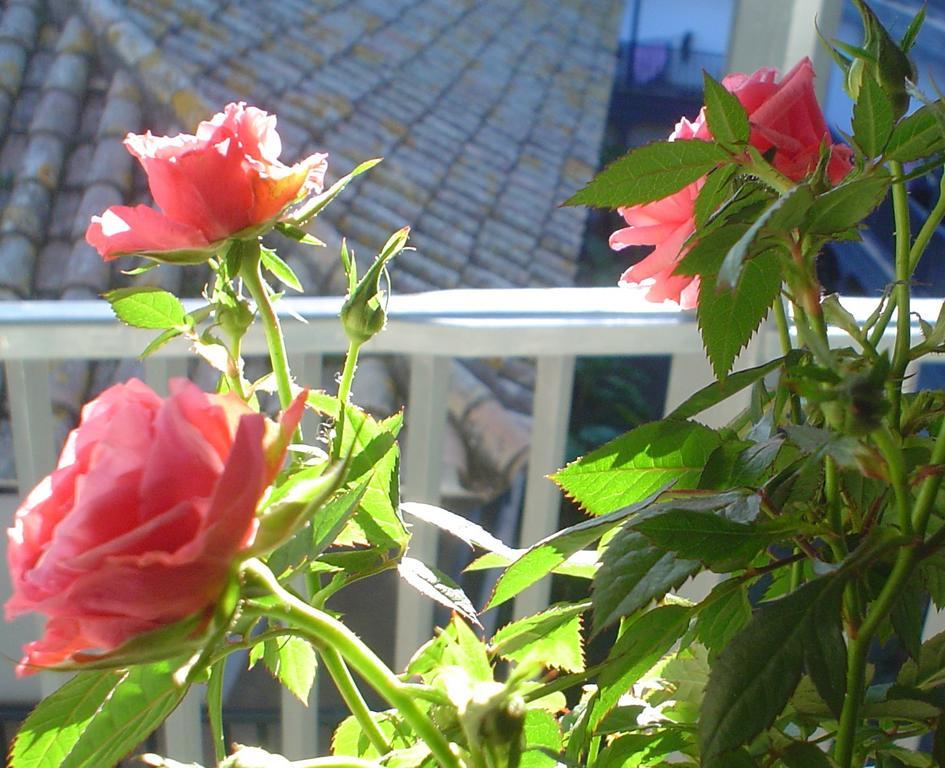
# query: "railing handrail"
{"points": [[515, 321]]}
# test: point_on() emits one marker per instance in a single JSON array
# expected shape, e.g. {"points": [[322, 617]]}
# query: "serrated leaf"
{"points": [[728, 318], [436, 585], [147, 307], [908, 616], [724, 113], [872, 118], [649, 173], [350, 739], [316, 204], [919, 135], [755, 675], [543, 557], [636, 750], [96, 718], [292, 661], [703, 536], [787, 210], [929, 671], [635, 464], [726, 611], [271, 261], [633, 572], [458, 526], [803, 754], [705, 256], [159, 341], [551, 638], [846, 205], [716, 190], [718, 391], [640, 645], [542, 736]]}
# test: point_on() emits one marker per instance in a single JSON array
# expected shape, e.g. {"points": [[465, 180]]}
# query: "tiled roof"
{"points": [[488, 114]]}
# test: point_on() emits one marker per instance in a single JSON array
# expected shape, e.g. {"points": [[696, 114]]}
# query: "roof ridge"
{"points": [[55, 122], [166, 83]]}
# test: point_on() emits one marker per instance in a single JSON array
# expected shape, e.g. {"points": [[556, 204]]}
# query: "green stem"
{"points": [[784, 334], [344, 393], [896, 464], [324, 631], [928, 228], [929, 488], [215, 708], [900, 292], [251, 272], [857, 653], [348, 689]]}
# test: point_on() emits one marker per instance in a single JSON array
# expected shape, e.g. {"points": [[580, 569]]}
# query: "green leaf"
{"points": [[872, 118], [316, 204], [96, 718], [543, 557], [918, 135], [718, 391], [929, 671], [705, 255], [649, 173], [271, 261], [912, 31], [551, 638], [147, 307], [803, 754], [637, 750], [704, 536], [716, 190], [633, 572], [637, 463], [754, 676], [542, 735], [727, 118], [349, 739], [155, 344], [907, 616], [722, 614], [436, 585], [847, 205], [640, 645], [458, 526], [729, 318], [786, 212], [292, 661]]}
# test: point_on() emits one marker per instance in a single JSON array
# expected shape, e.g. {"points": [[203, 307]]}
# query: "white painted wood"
{"points": [[423, 452], [158, 371], [551, 411], [183, 730]]}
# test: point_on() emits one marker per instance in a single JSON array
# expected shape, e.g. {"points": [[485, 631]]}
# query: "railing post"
{"points": [[159, 370], [551, 411], [423, 456], [34, 448]]}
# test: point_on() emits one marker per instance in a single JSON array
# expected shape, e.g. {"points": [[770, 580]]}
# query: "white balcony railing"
{"points": [[554, 326]]}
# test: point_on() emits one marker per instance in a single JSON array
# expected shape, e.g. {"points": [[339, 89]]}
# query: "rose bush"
{"points": [[140, 524], [226, 180], [785, 120]]}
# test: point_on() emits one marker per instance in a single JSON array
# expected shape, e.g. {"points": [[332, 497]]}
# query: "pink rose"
{"points": [[143, 520], [667, 224], [225, 181], [785, 116]]}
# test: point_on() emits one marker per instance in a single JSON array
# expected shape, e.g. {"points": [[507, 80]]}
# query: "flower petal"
{"points": [[125, 230]]}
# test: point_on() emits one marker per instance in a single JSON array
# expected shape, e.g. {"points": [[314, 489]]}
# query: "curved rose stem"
{"points": [[344, 393], [900, 292], [353, 698], [324, 631], [251, 272]]}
